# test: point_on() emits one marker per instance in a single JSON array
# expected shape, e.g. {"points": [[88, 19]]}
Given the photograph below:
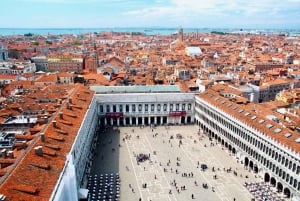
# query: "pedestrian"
{"points": [[192, 196]]}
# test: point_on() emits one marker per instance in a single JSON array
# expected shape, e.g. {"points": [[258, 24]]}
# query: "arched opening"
{"points": [[287, 192], [121, 121], [164, 120], [251, 165], [133, 120], [102, 122], [114, 122], [233, 150], [158, 119], [246, 161], [267, 177], [222, 142], [279, 187], [152, 120], [146, 120], [226, 144], [182, 120], [230, 147], [140, 120], [255, 169], [127, 120], [219, 139], [273, 181], [189, 120]]}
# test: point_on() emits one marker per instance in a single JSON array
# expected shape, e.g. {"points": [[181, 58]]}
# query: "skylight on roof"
{"points": [[287, 135], [277, 130], [241, 110], [234, 107], [253, 117], [269, 126], [247, 113], [261, 121], [217, 98], [297, 140], [222, 101], [229, 105]]}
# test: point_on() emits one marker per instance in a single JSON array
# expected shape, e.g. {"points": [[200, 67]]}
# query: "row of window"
{"points": [[255, 141], [264, 161], [147, 107]]}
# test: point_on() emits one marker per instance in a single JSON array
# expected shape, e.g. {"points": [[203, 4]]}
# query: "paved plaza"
{"points": [[171, 170]]}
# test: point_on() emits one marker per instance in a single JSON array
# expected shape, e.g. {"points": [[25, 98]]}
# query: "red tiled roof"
{"points": [[34, 177]]}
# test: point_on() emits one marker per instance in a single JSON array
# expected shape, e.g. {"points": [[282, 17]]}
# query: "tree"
{"points": [[48, 42], [28, 34], [35, 43], [76, 42]]}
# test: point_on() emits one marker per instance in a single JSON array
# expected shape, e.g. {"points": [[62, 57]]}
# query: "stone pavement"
{"points": [[171, 162]]}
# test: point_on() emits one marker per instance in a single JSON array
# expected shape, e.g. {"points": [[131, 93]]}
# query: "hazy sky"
{"points": [[149, 13]]}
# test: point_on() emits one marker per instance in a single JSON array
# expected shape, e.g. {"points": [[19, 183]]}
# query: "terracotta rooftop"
{"points": [[254, 117], [33, 177]]}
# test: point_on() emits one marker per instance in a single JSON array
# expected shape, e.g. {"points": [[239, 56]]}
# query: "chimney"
{"points": [[46, 107], [10, 154], [28, 107], [69, 106], [38, 150], [42, 137], [3, 153], [70, 100], [61, 115], [40, 107], [54, 124]]}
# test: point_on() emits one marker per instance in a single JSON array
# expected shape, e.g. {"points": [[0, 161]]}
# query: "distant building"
{"points": [[65, 62], [193, 51], [3, 53], [262, 67], [65, 78], [41, 63], [180, 35]]}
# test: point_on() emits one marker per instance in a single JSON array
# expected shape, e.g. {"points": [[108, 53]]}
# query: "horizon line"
{"points": [[153, 27]]}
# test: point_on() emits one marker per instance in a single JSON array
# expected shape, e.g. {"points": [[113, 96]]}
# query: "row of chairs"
{"points": [[104, 187]]}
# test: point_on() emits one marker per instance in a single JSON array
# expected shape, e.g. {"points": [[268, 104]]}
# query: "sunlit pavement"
{"points": [[171, 163]]}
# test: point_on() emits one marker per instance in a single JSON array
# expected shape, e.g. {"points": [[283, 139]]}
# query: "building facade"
{"points": [[66, 62], [257, 150], [145, 108], [3, 53], [261, 153]]}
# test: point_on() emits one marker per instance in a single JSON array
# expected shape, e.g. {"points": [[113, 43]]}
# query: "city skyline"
{"points": [[150, 13]]}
